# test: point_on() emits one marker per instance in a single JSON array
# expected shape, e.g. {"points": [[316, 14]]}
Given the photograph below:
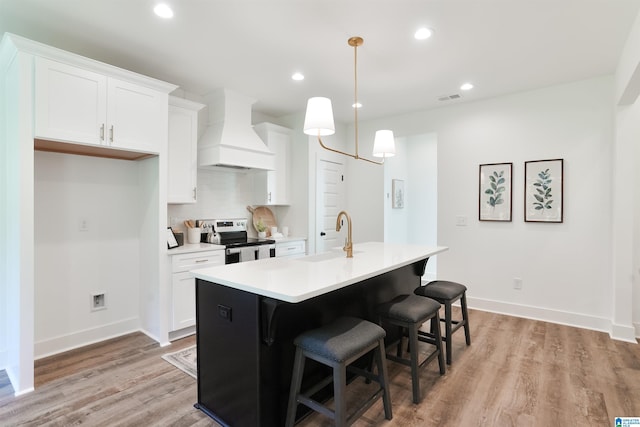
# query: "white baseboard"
{"points": [[623, 333], [85, 337], [181, 333], [155, 338], [577, 320]]}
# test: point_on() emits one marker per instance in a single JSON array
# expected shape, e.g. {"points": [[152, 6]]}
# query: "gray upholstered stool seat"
{"points": [[338, 345], [409, 312], [447, 293]]}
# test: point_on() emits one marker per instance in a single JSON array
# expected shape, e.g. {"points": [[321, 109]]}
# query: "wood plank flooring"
{"points": [[517, 372]]}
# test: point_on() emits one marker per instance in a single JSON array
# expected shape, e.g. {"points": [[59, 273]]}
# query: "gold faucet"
{"points": [[348, 246]]}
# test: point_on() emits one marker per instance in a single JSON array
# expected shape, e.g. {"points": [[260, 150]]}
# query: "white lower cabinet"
{"points": [[183, 307], [291, 249]]}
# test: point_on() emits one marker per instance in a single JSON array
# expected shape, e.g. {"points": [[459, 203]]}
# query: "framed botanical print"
{"points": [[495, 192], [544, 190], [398, 193]]}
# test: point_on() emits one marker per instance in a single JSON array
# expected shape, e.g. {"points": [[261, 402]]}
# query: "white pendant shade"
{"points": [[319, 117], [384, 144]]}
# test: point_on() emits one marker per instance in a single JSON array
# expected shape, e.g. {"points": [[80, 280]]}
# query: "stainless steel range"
{"points": [[232, 233]]}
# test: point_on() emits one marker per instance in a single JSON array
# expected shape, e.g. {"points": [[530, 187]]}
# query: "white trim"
{"points": [[85, 337], [155, 338], [25, 391], [40, 49], [636, 326], [577, 320], [3, 359]]}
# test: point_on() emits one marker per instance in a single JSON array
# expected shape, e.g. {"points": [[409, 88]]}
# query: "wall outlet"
{"points": [[517, 283], [83, 224], [461, 221], [98, 301]]}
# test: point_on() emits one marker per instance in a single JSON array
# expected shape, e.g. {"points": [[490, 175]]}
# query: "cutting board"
{"points": [[267, 217]]}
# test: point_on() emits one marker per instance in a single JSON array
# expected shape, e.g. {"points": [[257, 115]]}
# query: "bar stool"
{"points": [[409, 312], [446, 293], [338, 345]]}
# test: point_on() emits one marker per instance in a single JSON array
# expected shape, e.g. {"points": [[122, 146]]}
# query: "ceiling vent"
{"points": [[449, 97]]}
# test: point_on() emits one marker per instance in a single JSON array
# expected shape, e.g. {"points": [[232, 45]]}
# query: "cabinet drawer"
{"points": [[195, 260], [290, 248]]}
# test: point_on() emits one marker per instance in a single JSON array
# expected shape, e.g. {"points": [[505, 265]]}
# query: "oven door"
{"points": [[242, 254]]}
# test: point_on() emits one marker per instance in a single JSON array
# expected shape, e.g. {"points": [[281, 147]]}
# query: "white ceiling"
{"points": [[253, 46]]}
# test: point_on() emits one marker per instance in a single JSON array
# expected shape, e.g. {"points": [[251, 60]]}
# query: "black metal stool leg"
{"points": [[447, 325], [465, 317]]}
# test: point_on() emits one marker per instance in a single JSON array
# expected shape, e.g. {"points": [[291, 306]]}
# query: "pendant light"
{"points": [[319, 119]]}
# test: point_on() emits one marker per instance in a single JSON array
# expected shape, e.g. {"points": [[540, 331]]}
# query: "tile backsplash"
{"points": [[221, 194]]}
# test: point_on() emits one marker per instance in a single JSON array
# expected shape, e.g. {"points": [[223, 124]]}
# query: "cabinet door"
{"points": [[134, 115], [278, 180], [183, 151], [291, 249], [70, 103], [272, 187], [184, 300]]}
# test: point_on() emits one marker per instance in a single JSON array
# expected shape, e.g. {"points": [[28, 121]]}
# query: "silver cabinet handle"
{"points": [[201, 260], [195, 193], [102, 132], [111, 134], [269, 196]]}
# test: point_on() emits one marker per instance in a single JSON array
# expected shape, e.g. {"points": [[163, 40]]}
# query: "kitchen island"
{"points": [[248, 314]]}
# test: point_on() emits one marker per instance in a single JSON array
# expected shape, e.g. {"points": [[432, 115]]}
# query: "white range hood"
{"points": [[230, 140]]}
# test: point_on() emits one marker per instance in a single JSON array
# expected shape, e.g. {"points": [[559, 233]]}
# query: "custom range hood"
{"points": [[230, 141]]}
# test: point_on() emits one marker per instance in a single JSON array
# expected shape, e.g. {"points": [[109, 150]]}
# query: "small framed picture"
{"points": [[397, 189], [543, 190], [495, 192], [171, 239]]}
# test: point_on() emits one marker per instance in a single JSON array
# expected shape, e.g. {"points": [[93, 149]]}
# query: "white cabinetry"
{"points": [[183, 150], [76, 105], [272, 187], [291, 249], [183, 306]]}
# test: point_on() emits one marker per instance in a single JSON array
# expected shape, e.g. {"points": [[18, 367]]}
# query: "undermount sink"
{"points": [[326, 256]]}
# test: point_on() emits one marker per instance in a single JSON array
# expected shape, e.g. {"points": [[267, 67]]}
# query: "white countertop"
{"points": [[298, 279], [195, 247]]}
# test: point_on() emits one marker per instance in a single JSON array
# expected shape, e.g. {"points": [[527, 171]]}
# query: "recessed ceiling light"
{"points": [[423, 33], [163, 11], [297, 76], [466, 86], [356, 105]]}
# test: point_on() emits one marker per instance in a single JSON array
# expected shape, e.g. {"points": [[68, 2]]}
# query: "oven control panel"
{"points": [[206, 225], [233, 224]]}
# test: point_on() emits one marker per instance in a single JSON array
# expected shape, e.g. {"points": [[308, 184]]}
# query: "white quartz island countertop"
{"points": [[298, 279]]}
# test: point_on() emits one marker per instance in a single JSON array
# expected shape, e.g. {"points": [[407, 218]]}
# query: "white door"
{"points": [[329, 201]]}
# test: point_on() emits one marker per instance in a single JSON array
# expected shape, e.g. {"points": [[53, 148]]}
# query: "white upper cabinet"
{"points": [[71, 103], [76, 105], [272, 187], [183, 150]]}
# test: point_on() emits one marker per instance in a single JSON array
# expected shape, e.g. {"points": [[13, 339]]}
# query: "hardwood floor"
{"points": [[516, 372]]}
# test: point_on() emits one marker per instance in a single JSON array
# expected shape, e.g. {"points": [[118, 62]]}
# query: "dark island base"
{"points": [[245, 342]]}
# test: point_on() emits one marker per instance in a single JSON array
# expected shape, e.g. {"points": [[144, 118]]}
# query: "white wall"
{"points": [[72, 264], [397, 221], [626, 191], [423, 195], [566, 267]]}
